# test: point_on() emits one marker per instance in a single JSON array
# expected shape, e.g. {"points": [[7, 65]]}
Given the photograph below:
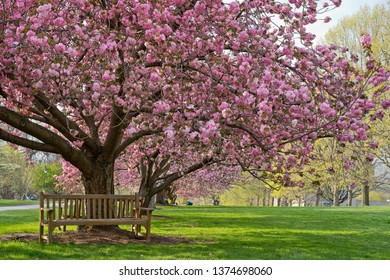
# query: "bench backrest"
{"points": [[92, 206]]}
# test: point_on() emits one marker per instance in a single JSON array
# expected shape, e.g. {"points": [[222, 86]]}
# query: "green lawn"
{"points": [[7, 202], [278, 233]]}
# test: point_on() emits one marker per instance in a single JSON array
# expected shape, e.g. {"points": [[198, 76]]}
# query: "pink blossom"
{"points": [[37, 73], [102, 48], [224, 105], [73, 52], [95, 95], [44, 8], [106, 76], [365, 40], [373, 145], [96, 87], [337, 3], [227, 113], [154, 77], [385, 104], [59, 22], [370, 157], [60, 47], [53, 73], [324, 107]]}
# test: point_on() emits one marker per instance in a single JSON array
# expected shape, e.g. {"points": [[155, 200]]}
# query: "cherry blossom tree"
{"points": [[238, 82], [208, 182]]}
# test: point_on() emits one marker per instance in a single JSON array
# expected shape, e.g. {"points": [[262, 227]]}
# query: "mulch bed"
{"points": [[95, 236]]}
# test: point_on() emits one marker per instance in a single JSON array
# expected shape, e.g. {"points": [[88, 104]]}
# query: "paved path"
{"points": [[19, 207]]}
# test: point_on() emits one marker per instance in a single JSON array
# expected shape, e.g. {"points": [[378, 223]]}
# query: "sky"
{"points": [[347, 8]]}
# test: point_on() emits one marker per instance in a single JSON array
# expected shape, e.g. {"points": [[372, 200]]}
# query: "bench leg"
{"points": [[137, 230], [40, 233], [50, 234], [50, 227], [147, 227]]}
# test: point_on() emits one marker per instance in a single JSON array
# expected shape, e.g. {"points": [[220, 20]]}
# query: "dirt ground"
{"points": [[95, 236]]}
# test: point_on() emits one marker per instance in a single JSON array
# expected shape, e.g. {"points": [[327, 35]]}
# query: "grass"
{"points": [[8, 202], [277, 233]]}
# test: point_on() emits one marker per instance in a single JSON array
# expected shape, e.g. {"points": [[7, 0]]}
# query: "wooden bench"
{"points": [[58, 210]]}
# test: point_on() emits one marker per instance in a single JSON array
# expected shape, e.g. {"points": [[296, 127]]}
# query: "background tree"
{"points": [[208, 183], [44, 178], [15, 174], [375, 22]]}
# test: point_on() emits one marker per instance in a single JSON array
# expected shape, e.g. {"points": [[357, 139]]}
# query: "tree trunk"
{"points": [[265, 197], [350, 196], [318, 197], [269, 202], [366, 195], [161, 199], [101, 181], [336, 195]]}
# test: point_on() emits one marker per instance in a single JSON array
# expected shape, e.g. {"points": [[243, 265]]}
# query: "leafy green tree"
{"points": [[45, 177], [15, 173], [374, 21], [248, 191]]}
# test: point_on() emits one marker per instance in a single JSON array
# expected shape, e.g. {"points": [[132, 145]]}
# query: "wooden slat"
{"points": [[120, 208], [94, 208], [71, 214], [77, 208], [59, 208], [105, 216], [83, 208], [110, 208], [127, 201], [99, 208], [66, 208], [89, 208], [89, 196], [100, 222]]}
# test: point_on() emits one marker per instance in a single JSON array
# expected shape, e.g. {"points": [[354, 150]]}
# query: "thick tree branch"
{"points": [[22, 123], [30, 144], [169, 179], [62, 123], [136, 136], [251, 133]]}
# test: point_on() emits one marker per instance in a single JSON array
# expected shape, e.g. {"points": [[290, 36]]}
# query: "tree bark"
{"points": [[318, 197], [366, 195], [336, 194], [101, 180], [350, 197], [265, 197]]}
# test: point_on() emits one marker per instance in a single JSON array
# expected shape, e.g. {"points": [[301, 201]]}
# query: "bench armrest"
{"points": [[146, 209]]}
